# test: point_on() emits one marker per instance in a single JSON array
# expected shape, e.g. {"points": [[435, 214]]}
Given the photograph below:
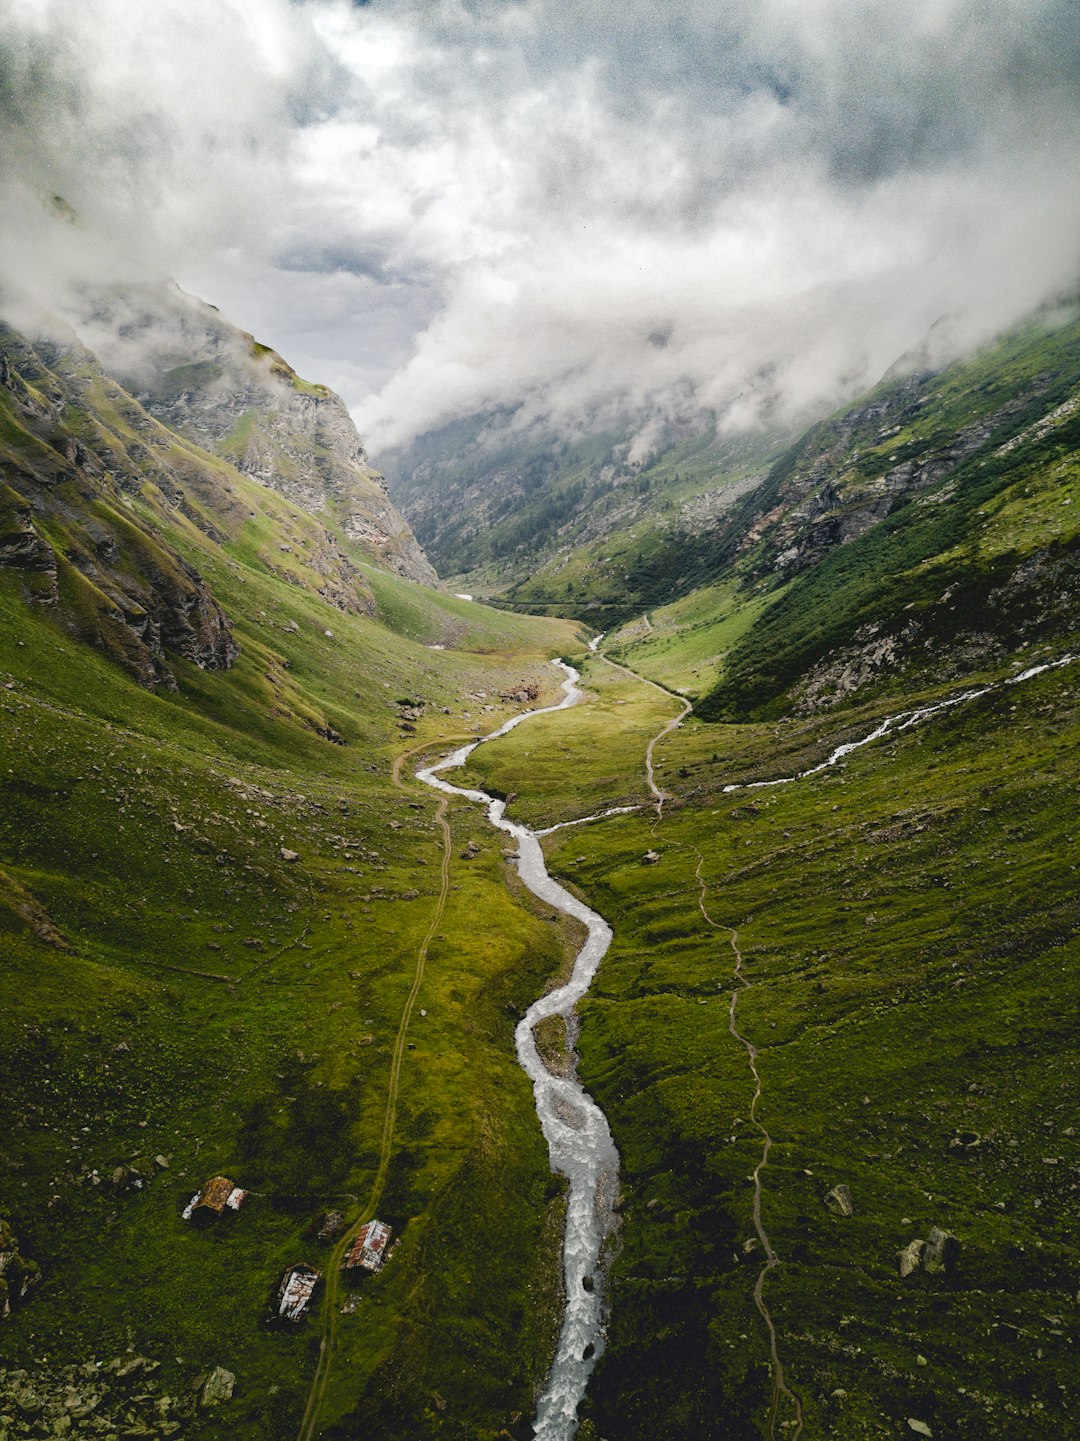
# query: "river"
{"points": [[576, 1130]]}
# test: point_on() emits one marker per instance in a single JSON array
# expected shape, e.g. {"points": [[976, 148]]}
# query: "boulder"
{"points": [[650, 858], [934, 1256], [839, 1202], [217, 1387], [942, 1249], [910, 1258], [287, 855]]}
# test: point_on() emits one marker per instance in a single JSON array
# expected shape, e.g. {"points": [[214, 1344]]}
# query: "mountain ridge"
{"points": [[94, 476]]}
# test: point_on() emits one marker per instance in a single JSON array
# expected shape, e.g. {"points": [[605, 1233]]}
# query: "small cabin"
{"points": [[295, 1291], [368, 1251], [217, 1196]]}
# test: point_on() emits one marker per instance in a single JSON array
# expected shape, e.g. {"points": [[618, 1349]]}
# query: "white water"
{"points": [[576, 1130], [903, 721]]}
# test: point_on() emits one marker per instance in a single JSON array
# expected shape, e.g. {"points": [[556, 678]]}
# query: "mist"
{"points": [[580, 216]]}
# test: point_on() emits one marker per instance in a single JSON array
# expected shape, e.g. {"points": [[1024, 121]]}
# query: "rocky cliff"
{"points": [[219, 387], [925, 531], [172, 429], [71, 524]]}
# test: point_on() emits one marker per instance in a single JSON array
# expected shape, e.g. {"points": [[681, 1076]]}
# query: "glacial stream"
{"points": [[576, 1130]]}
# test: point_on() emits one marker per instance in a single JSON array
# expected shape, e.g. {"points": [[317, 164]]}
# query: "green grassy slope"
{"points": [[175, 987], [977, 560], [930, 523], [572, 528], [908, 927]]}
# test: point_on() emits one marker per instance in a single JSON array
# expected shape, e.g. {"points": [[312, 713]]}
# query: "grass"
{"points": [[909, 937], [177, 987], [566, 769], [684, 645], [210, 1002]]}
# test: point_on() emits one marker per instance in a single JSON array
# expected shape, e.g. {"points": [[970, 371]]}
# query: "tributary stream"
{"points": [[576, 1130]]}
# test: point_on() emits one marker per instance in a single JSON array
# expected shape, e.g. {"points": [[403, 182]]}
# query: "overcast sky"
{"points": [[581, 209]]}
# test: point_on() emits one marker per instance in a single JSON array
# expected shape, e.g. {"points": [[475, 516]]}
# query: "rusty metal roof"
{"points": [[296, 1290], [215, 1194], [368, 1251], [214, 1197]]}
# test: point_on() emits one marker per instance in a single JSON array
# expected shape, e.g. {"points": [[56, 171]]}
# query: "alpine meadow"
{"points": [[539, 753]]}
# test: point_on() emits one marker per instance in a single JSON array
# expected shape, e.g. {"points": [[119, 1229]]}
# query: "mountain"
{"points": [[606, 524], [582, 530], [93, 476], [922, 533], [834, 1036], [216, 876], [222, 389]]}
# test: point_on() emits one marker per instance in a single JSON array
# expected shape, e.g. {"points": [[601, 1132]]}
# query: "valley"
{"points": [[539, 729], [807, 828]]}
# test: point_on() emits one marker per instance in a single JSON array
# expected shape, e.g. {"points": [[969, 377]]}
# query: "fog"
{"points": [[582, 214]]}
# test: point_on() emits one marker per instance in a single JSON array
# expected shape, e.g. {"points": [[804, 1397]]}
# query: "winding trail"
{"points": [[658, 795], [781, 1390], [309, 1426]]}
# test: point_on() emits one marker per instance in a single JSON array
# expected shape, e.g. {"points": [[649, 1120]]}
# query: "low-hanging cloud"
{"points": [[576, 214]]}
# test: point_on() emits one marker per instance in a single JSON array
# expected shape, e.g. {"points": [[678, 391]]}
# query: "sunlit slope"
{"points": [[585, 527], [177, 985], [925, 532], [908, 923]]}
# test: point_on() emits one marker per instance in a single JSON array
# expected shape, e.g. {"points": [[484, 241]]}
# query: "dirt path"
{"points": [[309, 1427], [658, 795], [781, 1390]]}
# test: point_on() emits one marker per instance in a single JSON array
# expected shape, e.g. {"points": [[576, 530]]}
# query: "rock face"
{"points": [[912, 537], [68, 528], [96, 486], [17, 1274], [123, 1396], [218, 386]]}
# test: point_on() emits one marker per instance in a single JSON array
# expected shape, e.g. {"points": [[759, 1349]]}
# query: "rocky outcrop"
{"points": [[936, 1255], [17, 1274], [66, 527], [840, 484], [216, 385], [21, 546], [122, 1396], [839, 1201], [217, 1387]]}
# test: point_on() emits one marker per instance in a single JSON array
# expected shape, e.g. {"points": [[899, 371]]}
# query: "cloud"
{"points": [[589, 214]]}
